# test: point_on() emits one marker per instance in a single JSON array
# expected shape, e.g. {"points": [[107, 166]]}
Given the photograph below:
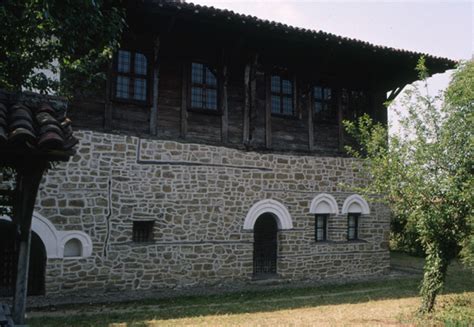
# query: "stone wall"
{"points": [[198, 197]]}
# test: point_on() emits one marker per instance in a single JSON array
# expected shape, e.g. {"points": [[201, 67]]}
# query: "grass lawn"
{"points": [[378, 303]]}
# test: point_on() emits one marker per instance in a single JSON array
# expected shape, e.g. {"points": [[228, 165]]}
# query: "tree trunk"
{"points": [[435, 270]]}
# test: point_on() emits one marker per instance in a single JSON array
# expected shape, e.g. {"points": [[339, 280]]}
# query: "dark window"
{"points": [[324, 109], [143, 231], [203, 87], [354, 103], [320, 227], [353, 226], [282, 96], [131, 76]]}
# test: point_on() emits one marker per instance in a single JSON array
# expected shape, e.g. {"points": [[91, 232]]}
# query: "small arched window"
{"points": [[73, 248]]}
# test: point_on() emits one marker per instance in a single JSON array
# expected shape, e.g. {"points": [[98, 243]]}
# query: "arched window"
{"points": [[322, 206], [73, 248]]}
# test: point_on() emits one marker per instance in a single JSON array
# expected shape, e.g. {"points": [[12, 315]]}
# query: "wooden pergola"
{"points": [[33, 135]]}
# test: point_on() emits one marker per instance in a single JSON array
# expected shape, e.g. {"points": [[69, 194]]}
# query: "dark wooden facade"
{"points": [[245, 53]]}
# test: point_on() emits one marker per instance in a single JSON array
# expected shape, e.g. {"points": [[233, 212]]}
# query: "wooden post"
{"points": [[155, 90], [28, 181], [223, 101], [108, 97], [247, 99], [309, 107], [268, 111], [339, 120], [184, 101]]}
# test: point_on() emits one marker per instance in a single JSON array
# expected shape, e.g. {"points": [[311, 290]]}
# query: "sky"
{"points": [[440, 28]]}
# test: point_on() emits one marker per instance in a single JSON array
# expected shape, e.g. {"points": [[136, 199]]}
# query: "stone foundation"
{"points": [[198, 197]]}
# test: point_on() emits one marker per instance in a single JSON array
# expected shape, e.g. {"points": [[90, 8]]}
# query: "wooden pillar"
{"points": [[108, 97], [184, 101], [28, 180], [247, 99], [155, 90], [309, 109], [268, 111], [339, 120], [250, 94], [223, 100]]}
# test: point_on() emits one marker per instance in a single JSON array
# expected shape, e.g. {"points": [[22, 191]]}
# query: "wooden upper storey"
{"points": [[199, 74]]}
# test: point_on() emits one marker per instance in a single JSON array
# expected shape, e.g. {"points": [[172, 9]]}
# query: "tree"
{"points": [[74, 36], [425, 172]]}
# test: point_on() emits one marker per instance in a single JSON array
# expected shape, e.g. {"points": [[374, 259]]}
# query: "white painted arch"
{"points": [[55, 240], [325, 204], [355, 204], [276, 208]]}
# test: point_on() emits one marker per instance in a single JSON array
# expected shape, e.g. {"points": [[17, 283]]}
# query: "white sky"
{"points": [[440, 28]]}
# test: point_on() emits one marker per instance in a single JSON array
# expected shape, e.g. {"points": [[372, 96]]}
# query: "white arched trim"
{"points": [[355, 204], [324, 203], [281, 213], [53, 239]]}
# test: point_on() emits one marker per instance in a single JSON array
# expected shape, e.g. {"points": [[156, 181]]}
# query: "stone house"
{"points": [[214, 155]]}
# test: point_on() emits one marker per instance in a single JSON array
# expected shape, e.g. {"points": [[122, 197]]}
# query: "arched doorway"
{"points": [[265, 246], [8, 262]]}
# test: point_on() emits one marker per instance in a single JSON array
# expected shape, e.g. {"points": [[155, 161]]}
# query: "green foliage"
{"points": [[425, 172], [76, 36]]}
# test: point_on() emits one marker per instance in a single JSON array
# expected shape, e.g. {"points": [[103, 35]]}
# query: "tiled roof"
{"points": [[243, 19], [34, 127]]}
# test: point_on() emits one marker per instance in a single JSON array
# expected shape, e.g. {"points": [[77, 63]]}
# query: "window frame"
{"points": [[283, 76], [149, 225], [332, 103], [324, 228], [132, 77], [189, 72], [356, 227]]}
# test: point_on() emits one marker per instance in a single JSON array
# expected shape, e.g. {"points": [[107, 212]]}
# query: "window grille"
{"points": [[131, 76], [281, 96], [353, 226], [324, 109], [320, 228], [203, 87], [143, 231]]}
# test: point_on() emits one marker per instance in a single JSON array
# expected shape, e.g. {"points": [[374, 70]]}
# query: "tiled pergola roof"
{"points": [[34, 128]]}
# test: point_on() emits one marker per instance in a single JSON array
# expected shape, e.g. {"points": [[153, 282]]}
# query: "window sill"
{"points": [[137, 103], [329, 242], [283, 116], [206, 111]]}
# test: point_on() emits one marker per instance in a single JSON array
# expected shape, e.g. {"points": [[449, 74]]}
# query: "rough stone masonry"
{"points": [[198, 197]]}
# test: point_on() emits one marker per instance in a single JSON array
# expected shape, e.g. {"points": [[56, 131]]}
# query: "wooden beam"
{"points": [[340, 118], [268, 111], [309, 109], [223, 100], [155, 90], [253, 94], [184, 101], [27, 183]]}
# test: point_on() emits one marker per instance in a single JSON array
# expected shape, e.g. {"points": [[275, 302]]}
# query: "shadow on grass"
{"points": [[137, 313]]}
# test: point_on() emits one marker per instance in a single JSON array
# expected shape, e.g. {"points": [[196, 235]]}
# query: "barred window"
{"points": [[203, 87], [131, 76], [353, 226], [324, 108], [281, 96], [143, 231], [320, 227]]}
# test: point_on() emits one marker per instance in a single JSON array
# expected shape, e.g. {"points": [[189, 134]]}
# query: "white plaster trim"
{"points": [[355, 204], [54, 240], [324, 203], [284, 220]]}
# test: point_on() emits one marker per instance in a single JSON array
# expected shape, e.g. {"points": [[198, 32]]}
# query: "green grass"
{"points": [[296, 305]]}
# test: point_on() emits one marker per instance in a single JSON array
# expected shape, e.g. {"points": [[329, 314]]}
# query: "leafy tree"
{"points": [[425, 172], [75, 36]]}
